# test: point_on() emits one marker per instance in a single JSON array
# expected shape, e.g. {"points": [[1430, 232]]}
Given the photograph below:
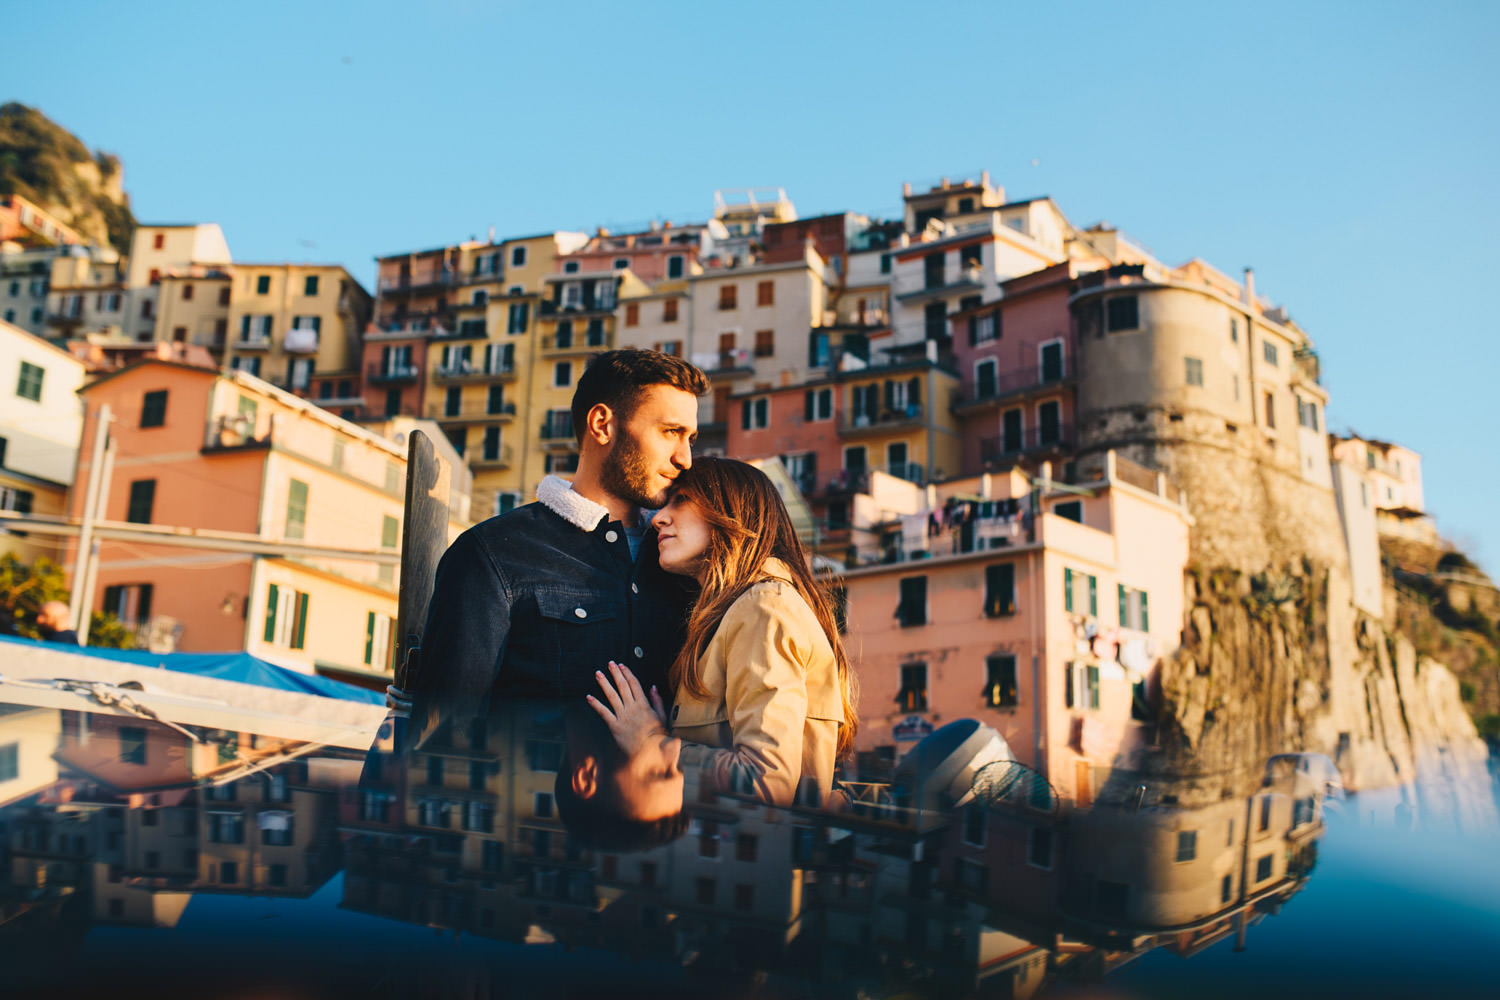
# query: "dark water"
{"points": [[140, 859]]}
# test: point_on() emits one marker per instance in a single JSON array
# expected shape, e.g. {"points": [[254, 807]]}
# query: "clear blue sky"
{"points": [[1346, 151]]}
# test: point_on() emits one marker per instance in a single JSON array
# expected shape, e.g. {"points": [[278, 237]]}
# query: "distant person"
{"points": [[762, 686], [52, 622], [532, 602]]}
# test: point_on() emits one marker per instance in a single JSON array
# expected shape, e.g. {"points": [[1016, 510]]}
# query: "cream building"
{"points": [[157, 251]]}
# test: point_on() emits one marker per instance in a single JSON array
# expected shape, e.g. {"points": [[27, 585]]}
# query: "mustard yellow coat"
{"points": [[772, 715]]}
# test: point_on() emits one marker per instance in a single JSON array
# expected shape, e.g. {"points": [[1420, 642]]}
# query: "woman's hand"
{"points": [[632, 719]]}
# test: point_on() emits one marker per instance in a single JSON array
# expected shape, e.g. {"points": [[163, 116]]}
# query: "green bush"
{"points": [[1489, 726]]}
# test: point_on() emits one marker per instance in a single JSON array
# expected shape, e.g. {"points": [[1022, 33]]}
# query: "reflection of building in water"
{"points": [[140, 816]]}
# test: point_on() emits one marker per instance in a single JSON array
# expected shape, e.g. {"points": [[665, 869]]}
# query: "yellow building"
{"points": [[193, 308], [289, 321], [157, 251]]}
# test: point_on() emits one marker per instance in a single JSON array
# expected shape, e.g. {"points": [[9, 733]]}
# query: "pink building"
{"points": [[1040, 608], [664, 254]]}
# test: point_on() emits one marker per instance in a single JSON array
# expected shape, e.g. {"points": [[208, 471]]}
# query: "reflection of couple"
{"points": [[710, 601]]}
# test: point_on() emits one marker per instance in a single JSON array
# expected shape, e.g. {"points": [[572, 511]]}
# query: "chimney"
{"points": [[984, 179], [1250, 287], [906, 189]]}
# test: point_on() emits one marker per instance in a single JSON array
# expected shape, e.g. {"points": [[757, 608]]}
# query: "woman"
{"points": [[764, 697]]}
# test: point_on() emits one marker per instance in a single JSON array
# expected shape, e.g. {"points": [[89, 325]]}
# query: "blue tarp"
{"points": [[240, 667]]}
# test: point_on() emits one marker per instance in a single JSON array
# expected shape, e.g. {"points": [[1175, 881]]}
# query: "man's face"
{"points": [[654, 443], [650, 783]]}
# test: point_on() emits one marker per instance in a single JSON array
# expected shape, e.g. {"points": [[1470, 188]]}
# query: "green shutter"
{"points": [[1124, 606], [271, 601], [300, 637], [369, 637], [389, 528], [1067, 590], [1094, 596], [1145, 616]]}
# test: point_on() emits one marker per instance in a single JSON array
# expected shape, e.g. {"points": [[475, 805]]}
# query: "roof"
{"points": [[11, 327]]}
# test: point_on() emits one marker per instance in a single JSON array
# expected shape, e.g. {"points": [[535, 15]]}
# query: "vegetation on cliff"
{"points": [[45, 163]]}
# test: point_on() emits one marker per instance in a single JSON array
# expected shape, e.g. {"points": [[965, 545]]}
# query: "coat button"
{"points": [[611, 536], [639, 652], [634, 589], [580, 612]]}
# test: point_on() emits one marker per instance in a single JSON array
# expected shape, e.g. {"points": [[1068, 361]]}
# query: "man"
{"points": [[533, 602], [52, 622]]}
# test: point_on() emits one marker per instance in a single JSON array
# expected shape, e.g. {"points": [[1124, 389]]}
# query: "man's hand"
{"points": [[632, 719]]}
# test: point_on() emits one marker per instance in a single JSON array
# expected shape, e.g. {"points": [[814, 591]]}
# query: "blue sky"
{"points": [[1344, 150]]}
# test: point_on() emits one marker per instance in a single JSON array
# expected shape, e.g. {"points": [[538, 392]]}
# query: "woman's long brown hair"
{"points": [[749, 524]]}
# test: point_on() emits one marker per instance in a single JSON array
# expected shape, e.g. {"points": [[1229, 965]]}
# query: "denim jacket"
{"points": [[530, 603]]}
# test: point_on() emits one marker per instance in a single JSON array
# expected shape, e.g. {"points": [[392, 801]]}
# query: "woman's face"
{"points": [[681, 537]]}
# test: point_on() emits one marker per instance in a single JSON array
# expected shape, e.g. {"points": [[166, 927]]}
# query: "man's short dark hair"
{"points": [[617, 379]]}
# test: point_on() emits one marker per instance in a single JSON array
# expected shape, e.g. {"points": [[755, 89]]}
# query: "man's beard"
{"points": [[627, 475]]}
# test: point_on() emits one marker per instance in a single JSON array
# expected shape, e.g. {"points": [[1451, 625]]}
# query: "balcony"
{"points": [[416, 284], [558, 432], [252, 342], [577, 343], [1003, 450], [913, 415], [465, 372], [733, 363], [300, 340], [1305, 364], [468, 329], [583, 310], [392, 374], [1013, 385], [968, 279], [499, 459], [473, 414]]}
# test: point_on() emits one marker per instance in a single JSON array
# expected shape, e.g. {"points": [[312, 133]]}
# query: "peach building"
{"points": [[1040, 608], [197, 448]]}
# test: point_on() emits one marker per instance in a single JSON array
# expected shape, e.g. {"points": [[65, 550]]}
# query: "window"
{"points": [[975, 815], [596, 332], [226, 828], [672, 347], [14, 499], [154, 278], [564, 333], [562, 374], [1265, 813], [999, 590], [1134, 609], [1072, 510], [746, 847], [280, 837], [263, 285], [1307, 416], [728, 297], [1122, 313], [885, 263], [1039, 847], [1263, 868], [669, 311], [495, 400], [296, 509], [674, 266], [29, 385], [1271, 411], [491, 444], [744, 897], [913, 695], [1226, 888], [562, 464], [224, 296], [755, 414], [517, 256], [855, 461], [142, 499], [632, 314], [970, 256], [621, 263], [1194, 371], [517, 317], [817, 404], [705, 888], [1234, 330], [129, 602], [154, 408], [187, 292], [158, 241], [913, 607], [935, 320], [1187, 845], [1268, 351], [1080, 591], [1082, 686], [1000, 681], [985, 328], [765, 343], [310, 285], [132, 745], [765, 293]]}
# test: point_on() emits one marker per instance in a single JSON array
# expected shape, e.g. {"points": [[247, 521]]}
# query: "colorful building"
{"points": [[290, 321]]}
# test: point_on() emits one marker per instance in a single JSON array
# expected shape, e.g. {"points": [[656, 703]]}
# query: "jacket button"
{"points": [[639, 652], [611, 536], [580, 612], [634, 589]]}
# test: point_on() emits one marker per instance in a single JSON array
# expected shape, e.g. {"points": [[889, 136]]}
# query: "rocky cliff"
{"points": [[44, 162], [1281, 661]]}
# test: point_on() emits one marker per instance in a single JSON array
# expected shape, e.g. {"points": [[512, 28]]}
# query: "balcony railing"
{"points": [[1012, 383], [558, 430], [417, 283], [736, 361], [999, 449], [968, 277], [473, 414], [469, 329], [886, 420], [555, 344], [466, 372], [500, 458], [378, 374], [252, 342]]}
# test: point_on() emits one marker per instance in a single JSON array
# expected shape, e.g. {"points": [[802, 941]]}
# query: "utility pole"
{"points": [[78, 610], [91, 568]]}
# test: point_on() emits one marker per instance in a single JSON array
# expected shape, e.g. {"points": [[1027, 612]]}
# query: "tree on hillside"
{"points": [[38, 161]]}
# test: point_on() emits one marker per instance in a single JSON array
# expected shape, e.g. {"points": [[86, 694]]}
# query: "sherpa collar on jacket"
{"points": [[558, 496]]}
